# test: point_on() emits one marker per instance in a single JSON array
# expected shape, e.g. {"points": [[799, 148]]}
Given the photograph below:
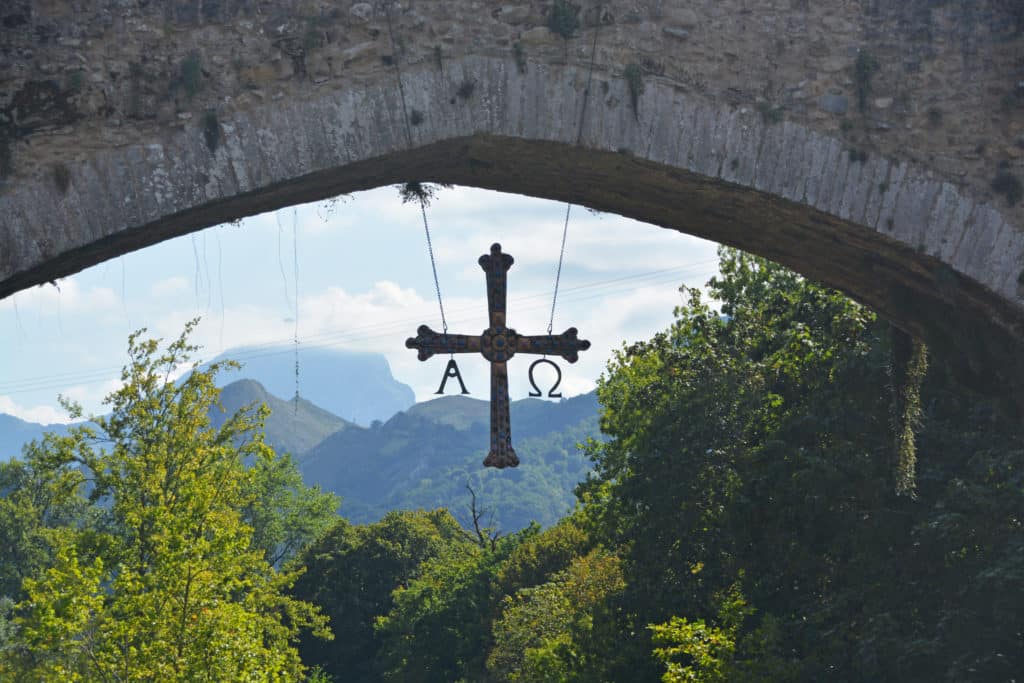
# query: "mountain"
{"points": [[15, 433], [286, 429], [357, 386], [424, 457], [420, 458]]}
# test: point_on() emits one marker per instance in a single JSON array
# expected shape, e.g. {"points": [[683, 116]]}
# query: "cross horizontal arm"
{"points": [[429, 342], [566, 345]]}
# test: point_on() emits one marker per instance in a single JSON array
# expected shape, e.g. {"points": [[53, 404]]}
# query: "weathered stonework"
{"points": [[857, 142]]}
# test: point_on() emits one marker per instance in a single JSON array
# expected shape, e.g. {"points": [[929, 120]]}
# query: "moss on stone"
{"points": [[564, 18], [1009, 186], [635, 82], [211, 130], [61, 177], [864, 70], [466, 88], [75, 81], [192, 74], [6, 157], [769, 113], [520, 54]]}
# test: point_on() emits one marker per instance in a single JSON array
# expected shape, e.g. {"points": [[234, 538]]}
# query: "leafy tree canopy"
{"points": [[170, 585]]}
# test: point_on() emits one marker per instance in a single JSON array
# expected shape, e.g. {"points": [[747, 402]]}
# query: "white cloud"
{"points": [[367, 286], [64, 297], [93, 393], [175, 284], [39, 414]]}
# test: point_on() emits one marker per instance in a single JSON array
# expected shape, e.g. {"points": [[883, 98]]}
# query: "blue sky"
{"points": [[364, 283]]}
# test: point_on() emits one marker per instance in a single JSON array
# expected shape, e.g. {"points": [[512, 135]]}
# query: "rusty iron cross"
{"points": [[498, 344]]}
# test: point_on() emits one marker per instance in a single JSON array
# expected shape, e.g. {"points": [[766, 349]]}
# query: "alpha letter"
{"points": [[451, 371]]}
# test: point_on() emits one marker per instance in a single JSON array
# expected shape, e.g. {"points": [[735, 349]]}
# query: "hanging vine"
{"points": [[907, 370]]}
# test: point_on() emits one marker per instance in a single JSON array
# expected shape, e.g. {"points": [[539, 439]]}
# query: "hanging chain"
{"points": [[433, 265], [558, 273], [295, 259], [408, 139], [423, 208], [579, 139]]}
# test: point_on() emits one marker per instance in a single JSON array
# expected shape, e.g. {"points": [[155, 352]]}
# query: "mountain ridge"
{"points": [[357, 386], [422, 457], [289, 428], [426, 456]]}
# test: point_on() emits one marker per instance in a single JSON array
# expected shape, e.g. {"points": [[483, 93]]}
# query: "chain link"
{"points": [[433, 264]]}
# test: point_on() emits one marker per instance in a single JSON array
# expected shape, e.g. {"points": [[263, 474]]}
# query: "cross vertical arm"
{"points": [[501, 454], [496, 265]]}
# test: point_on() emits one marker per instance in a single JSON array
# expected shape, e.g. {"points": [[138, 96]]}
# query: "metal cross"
{"points": [[498, 344]]}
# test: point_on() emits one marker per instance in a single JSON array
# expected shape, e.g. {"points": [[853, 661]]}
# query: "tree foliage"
{"points": [[169, 586], [743, 523], [438, 628], [33, 502], [284, 513], [351, 573], [543, 633], [756, 441]]}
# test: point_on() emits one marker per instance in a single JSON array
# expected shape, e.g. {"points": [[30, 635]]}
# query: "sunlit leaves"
{"points": [[170, 586]]}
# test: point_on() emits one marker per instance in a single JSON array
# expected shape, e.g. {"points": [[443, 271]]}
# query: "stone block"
{"points": [[258, 75], [514, 14], [539, 35], [834, 104], [681, 16], [362, 51], [361, 12]]}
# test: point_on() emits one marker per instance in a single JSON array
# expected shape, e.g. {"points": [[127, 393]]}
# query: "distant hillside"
{"points": [[15, 433], [421, 458], [424, 457], [287, 430], [356, 386]]}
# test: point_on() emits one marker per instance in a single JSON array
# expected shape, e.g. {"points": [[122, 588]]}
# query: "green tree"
{"points": [[733, 435], [173, 587], [540, 554], [33, 502], [756, 441], [439, 626], [704, 653], [7, 628], [284, 513], [543, 633], [351, 572]]}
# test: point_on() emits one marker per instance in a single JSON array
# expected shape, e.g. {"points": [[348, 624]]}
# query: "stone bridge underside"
{"points": [[874, 146]]}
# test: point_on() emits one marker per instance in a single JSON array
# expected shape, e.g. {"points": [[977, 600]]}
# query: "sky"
{"points": [[352, 273]]}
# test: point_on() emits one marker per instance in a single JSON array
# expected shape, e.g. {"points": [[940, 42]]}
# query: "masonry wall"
{"points": [[938, 83], [875, 146]]}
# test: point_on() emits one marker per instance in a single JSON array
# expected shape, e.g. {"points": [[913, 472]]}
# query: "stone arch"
{"points": [[932, 255]]}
